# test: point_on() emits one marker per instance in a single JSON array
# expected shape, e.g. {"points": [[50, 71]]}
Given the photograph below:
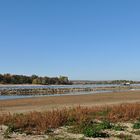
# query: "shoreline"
{"points": [[67, 101]]}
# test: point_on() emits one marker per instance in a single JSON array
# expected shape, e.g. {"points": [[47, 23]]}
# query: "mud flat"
{"points": [[59, 102]]}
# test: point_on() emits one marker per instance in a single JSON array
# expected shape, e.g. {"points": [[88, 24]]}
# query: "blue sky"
{"points": [[82, 39]]}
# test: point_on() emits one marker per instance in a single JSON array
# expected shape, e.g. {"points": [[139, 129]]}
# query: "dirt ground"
{"points": [[59, 102]]}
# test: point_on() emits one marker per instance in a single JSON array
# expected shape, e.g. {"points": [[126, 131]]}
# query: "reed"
{"points": [[43, 122]]}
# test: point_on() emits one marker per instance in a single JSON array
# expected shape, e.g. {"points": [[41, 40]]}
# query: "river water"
{"points": [[53, 86], [2, 87]]}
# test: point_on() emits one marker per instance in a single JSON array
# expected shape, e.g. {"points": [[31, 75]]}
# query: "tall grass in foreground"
{"points": [[43, 122]]}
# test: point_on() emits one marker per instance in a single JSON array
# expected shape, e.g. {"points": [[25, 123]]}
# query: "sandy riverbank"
{"points": [[48, 103]]}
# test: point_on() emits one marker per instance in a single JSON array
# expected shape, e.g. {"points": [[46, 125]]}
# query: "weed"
{"points": [[124, 137], [104, 112], [91, 129], [94, 132], [39, 122], [8, 131], [118, 128], [11, 128], [136, 125], [136, 132], [49, 130], [105, 125], [71, 121], [62, 138], [7, 134]]}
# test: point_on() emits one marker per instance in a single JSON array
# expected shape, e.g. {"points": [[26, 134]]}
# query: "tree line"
{"points": [[105, 82], [34, 79]]}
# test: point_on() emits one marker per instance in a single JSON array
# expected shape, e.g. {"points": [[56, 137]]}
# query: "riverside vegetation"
{"points": [[34, 79], [113, 121]]}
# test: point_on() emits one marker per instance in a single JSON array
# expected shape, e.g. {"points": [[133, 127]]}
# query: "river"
{"points": [[3, 87]]}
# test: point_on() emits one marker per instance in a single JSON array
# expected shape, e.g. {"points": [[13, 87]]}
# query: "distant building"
{"points": [[127, 84]]}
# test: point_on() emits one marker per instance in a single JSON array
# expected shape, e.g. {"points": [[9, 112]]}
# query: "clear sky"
{"points": [[82, 39]]}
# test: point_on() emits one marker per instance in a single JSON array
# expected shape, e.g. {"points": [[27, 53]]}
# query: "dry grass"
{"points": [[42, 122]]}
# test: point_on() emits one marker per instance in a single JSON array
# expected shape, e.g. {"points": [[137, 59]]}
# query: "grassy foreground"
{"points": [[91, 121]]}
